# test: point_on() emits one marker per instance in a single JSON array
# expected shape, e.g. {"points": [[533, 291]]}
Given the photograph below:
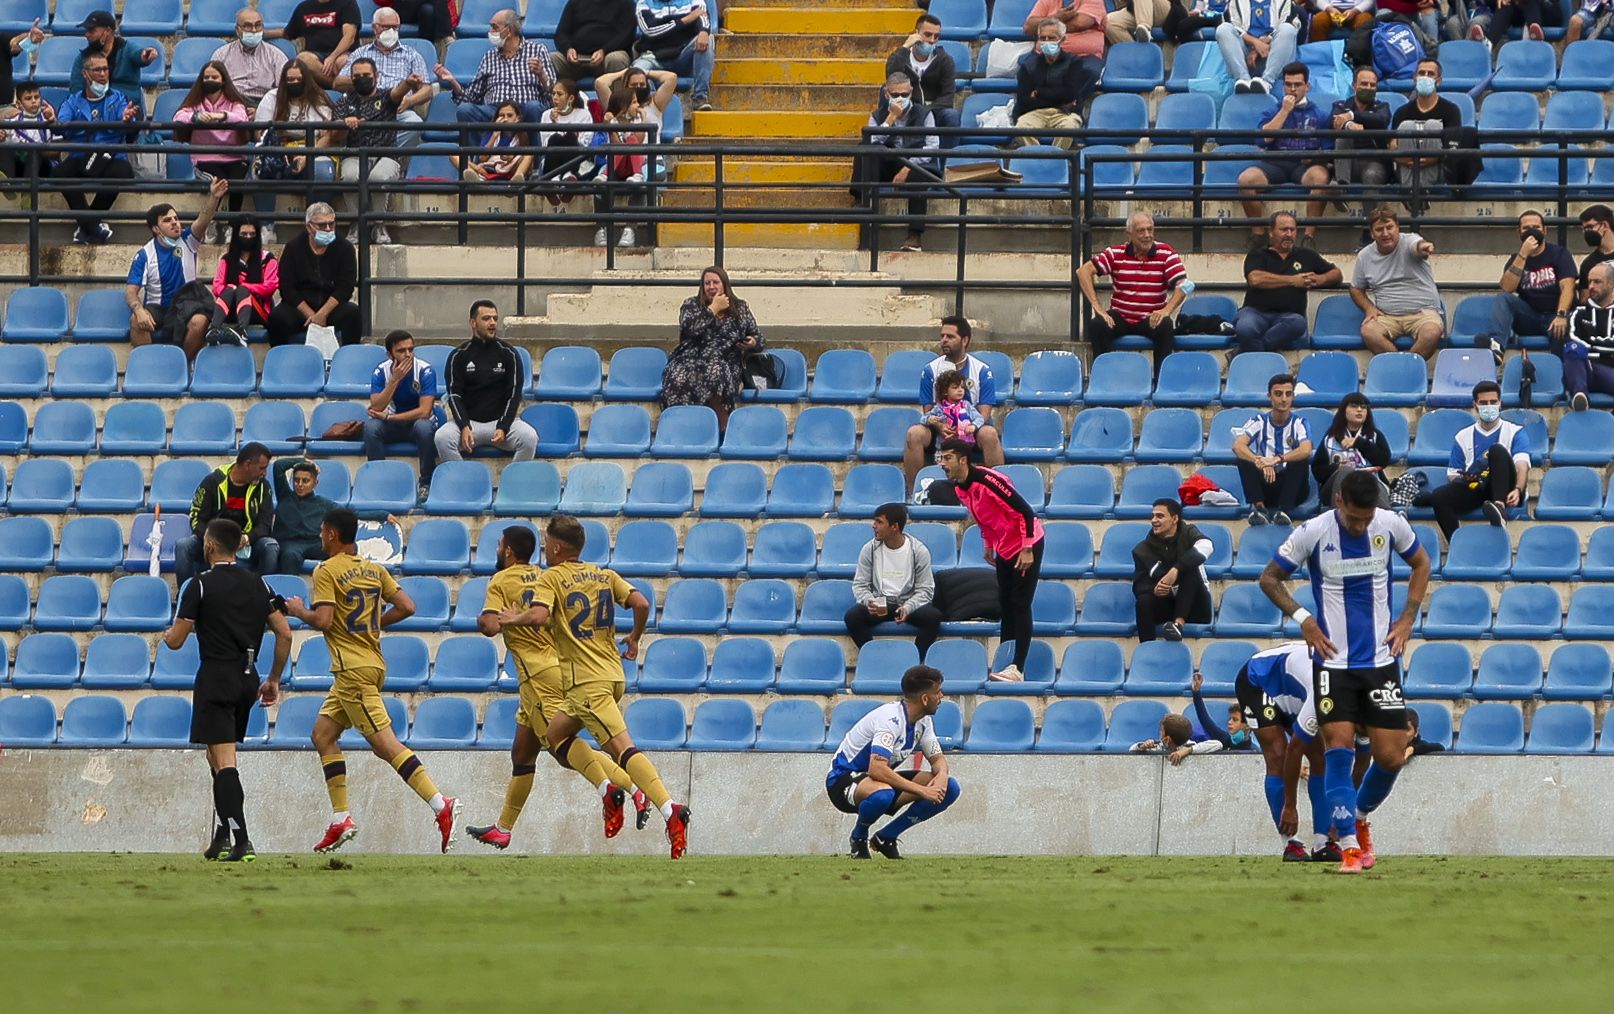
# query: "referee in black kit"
{"points": [[228, 608]]}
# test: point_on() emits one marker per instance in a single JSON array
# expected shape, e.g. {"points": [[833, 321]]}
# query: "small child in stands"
{"points": [[498, 163], [953, 407], [30, 125]]}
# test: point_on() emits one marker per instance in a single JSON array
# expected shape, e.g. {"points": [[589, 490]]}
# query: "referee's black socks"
{"points": [[230, 800]]}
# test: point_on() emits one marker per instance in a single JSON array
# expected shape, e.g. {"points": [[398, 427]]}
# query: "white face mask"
{"points": [[252, 40], [495, 36], [1489, 413], [388, 37]]}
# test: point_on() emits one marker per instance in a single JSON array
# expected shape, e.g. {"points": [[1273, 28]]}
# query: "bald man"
{"points": [[1589, 350], [254, 64], [1146, 290]]}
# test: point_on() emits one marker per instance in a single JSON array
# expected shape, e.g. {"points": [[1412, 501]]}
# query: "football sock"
{"points": [[413, 772], [1376, 786], [644, 774], [874, 804], [1319, 841], [336, 782], [614, 772], [585, 760], [1274, 790], [1341, 793], [919, 812], [230, 800], [515, 795], [1317, 792]]}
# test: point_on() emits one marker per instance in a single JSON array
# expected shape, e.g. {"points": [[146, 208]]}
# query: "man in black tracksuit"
{"points": [[239, 493], [1168, 574], [484, 381]]}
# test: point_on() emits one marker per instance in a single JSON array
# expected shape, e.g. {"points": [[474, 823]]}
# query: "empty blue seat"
{"points": [[755, 431], [465, 663], [87, 544], [1570, 493], [1247, 377], [84, 371], [1099, 435], [803, 490], [899, 376], [1599, 562], [656, 723], [962, 663], [1188, 378], [1170, 435], [1067, 550], [1001, 727], [530, 488], [173, 483], [26, 543], [1108, 609], [1245, 611], [812, 665], [1528, 611], [1053, 609], [27, 721], [1033, 434], [1432, 441], [327, 414], [35, 314], [823, 607], [203, 427], [1396, 379], [460, 487], [1458, 610], [792, 727], [865, 488], [1561, 728], [1583, 438], [1545, 553], [838, 553], [278, 425], [1220, 663], [734, 489], [443, 723], [618, 431], [1184, 68], [224, 371], [694, 606], [190, 56], [685, 431], [1049, 378], [961, 19], [1133, 67], [645, 548], [138, 602], [595, 487], [1167, 168], [22, 371], [1491, 727], [384, 486], [782, 549], [845, 376], [45, 662], [294, 721], [742, 665], [161, 723], [1121, 379], [763, 606], [823, 433], [1186, 111], [792, 386], [661, 489], [1591, 612], [880, 665], [437, 546], [1132, 722], [1142, 485], [1578, 672], [352, 366], [42, 486], [157, 371], [1071, 727], [713, 549], [1477, 553], [559, 433], [1115, 549], [103, 316], [468, 605], [1160, 668], [723, 725], [1330, 375], [635, 375], [1508, 672], [13, 427], [291, 371], [885, 433], [1586, 64], [1524, 65], [843, 716], [64, 427], [1081, 491], [94, 720], [1516, 110], [1091, 667], [568, 373], [408, 663]]}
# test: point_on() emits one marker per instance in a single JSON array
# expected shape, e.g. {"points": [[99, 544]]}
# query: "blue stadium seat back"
{"points": [[334, 482], [1188, 379], [1001, 727], [225, 371], [278, 425], [36, 314], [1142, 485], [949, 725], [45, 661], [463, 56], [174, 482], [792, 386], [1524, 66], [694, 606], [42, 486], [844, 376], [645, 549], [290, 371], [1244, 113], [962, 663], [823, 433], [53, 62], [685, 431], [559, 433], [763, 606], [327, 414], [1472, 317], [1432, 441], [203, 427], [1160, 668], [408, 662], [152, 17], [213, 17], [656, 723], [94, 720], [1099, 435], [782, 549], [792, 726], [13, 427], [64, 427], [1578, 672], [742, 665], [468, 605], [757, 432], [437, 546], [880, 665], [443, 723], [1508, 672], [899, 376], [1434, 722], [838, 553], [1220, 664], [1132, 722], [595, 487], [1033, 434], [190, 56], [716, 549], [1330, 375], [1185, 63], [1183, 110], [802, 490], [476, 14], [885, 433], [1586, 64], [843, 716], [176, 669], [1048, 378], [1084, 492], [1491, 727], [734, 489], [618, 431], [1572, 111], [961, 19], [1002, 369], [1562, 728], [1530, 611], [939, 540], [160, 723], [1008, 20], [1174, 171], [661, 489], [311, 668], [1477, 553], [27, 720], [927, 476], [1053, 609], [1499, 171], [1247, 377], [1122, 379], [527, 488], [728, 725], [1470, 64], [15, 602], [287, 585], [465, 663], [1457, 611], [1170, 435], [1550, 167], [431, 598], [1115, 549], [384, 486], [460, 487], [396, 710], [1133, 67], [27, 544], [1071, 727], [162, 111], [85, 371], [1570, 493], [1223, 429], [823, 607], [1396, 379], [1111, 165], [20, 16], [498, 724], [1598, 564], [1067, 550], [1116, 110], [351, 369], [159, 371], [1582, 438], [812, 665], [1108, 609], [138, 602], [440, 129], [1591, 612], [22, 371], [1246, 612], [635, 374], [294, 722]]}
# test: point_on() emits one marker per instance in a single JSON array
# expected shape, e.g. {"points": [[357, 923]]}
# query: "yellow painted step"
{"points": [[819, 21], [795, 98], [768, 124], [697, 169], [773, 71], [847, 46], [759, 197], [837, 236]]}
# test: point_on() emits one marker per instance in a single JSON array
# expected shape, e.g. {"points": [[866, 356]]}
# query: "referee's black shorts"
{"points": [[221, 704]]}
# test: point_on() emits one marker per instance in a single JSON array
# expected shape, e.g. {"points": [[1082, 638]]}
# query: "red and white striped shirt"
{"points": [[1140, 283]]}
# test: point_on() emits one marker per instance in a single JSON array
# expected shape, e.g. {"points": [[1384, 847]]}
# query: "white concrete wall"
{"points": [[761, 803]]}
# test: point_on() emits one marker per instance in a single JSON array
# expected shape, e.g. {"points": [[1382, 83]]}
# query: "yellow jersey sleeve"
{"points": [[324, 585], [620, 588], [516, 587], [389, 585]]}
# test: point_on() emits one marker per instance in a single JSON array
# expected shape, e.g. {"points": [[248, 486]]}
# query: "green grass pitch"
{"points": [[487, 933]]}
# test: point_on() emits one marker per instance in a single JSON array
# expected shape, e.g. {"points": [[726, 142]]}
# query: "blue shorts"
{"points": [[1279, 173]]}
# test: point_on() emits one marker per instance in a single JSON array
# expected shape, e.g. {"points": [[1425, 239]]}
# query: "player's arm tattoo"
{"points": [[1417, 584], [1274, 583]]}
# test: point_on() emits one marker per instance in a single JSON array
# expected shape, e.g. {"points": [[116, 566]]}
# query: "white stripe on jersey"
{"points": [[885, 731], [1350, 582]]}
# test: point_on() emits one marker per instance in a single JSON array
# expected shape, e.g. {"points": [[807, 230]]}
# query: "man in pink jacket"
{"points": [[1013, 539]]}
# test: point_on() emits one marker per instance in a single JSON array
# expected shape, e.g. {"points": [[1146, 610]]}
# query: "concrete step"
{"points": [[801, 305], [870, 70], [816, 236], [774, 46], [764, 170], [795, 98], [816, 20], [836, 126], [761, 197]]}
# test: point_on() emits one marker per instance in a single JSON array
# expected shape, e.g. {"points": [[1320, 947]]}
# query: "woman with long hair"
{"points": [[715, 333], [218, 116], [247, 278], [563, 150], [1351, 444], [295, 98], [496, 162]]}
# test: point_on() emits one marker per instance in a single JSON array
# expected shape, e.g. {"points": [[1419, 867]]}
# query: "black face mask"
{"points": [[1592, 237], [363, 85], [294, 89], [212, 87], [642, 93], [249, 247]]}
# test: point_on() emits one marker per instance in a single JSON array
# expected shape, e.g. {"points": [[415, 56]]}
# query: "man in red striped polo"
{"points": [[1145, 290]]}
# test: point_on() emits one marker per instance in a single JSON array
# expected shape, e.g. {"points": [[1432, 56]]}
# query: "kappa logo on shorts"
{"points": [[1310, 724]]}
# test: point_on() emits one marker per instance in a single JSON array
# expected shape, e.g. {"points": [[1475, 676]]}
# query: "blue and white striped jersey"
{"points": [[884, 731], [1350, 581], [1268, 439], [1284, 675]]}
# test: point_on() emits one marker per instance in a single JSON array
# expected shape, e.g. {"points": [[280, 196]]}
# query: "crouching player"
{"points": [[863, 780], [1274, 690]]}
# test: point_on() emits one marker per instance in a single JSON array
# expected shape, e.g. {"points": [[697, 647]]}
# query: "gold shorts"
{"points": [[355, 701], [595, 705], [540, 699], [1393, 326]]}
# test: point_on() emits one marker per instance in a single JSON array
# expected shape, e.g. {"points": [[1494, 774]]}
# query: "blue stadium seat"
{"points": [[384, 486], [1562, 728], [13, 427], [138, 602], [618, 431], [463, 56], [460, 487], [14, 603], [1122, 379], [1244, 113], [225, 371], [755, 431], [498, 724], [843, 376], [1188, 378], [792, 386], [1081, 492], [1049, 378], [763, 606], [1245, 611], [961, 19], [475, 16], [1185, 64], [443, 723], [1591, 612], [723, 725], [290, 371], [823, 433], [789, 727], [1330, 375], [1053, 610], [1458, 610], [1439, 670], [1472, 317], [734, 489], [899, 376], [42, 486], [885, 433], [1599, 562], [1168, 168], [351, 368], [173, 483], [1571, 112], [27, 720], [1170, 435], [1160, 669], [64, 427], [45, 662], [294, 722], [645, 549], [661, 489], [1247, 377], [1220, 664], [53, 63], [962, 663], [36, 313], [823, 608], [559, 433], [161, 723], [1071, 727], [190, 56], [1585, 66], [1186, 111], [812, 665], [212, 17], [1255, 550], [1223, 429], [1142, 485], [437, 546], [468, 605], [635, 374], [595, 487], [1132, 722], [694, 606], [1115, 549], [1432, 442], [84, 371], [1523, 66], [742, 665], [1491, 727], [715, 549], [203, 427], [866, 487], [1112, 172], [159, 371], [1397, 379], [527, 488], [19, 17], [543, 18], [1547, 169], [1033, 434], [408, 665], [1545, 553], [1516, 110], [1220, 562], [1434, 723], [1007, 22], [22, 371], [1099, 435], [843, 716], [802, 490], [176, 670], [327, 414], [1108, 610], [880, 665], [1582, 438], [1570, 493], [838, 553], [656, 723], [1578, 672], [1001, 727], [1529, 611], [1477, 553], [278, 425], [465, 663], [939, 540], [94, 720], [151, 17], [26, 544], [1133, 67], [685, 431], [1508, 672]]}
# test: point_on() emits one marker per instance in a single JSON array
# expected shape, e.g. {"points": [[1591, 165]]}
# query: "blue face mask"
{"points": [[1239, 738], [1048, 49], [1425, 86], [169, 241], [28, 44], [99, 89], [1489, 413], [252, 40], [924, 49], [325, 238]]}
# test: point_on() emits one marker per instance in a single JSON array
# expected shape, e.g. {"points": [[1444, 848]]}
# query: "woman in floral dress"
{"points": [[715, 333]]}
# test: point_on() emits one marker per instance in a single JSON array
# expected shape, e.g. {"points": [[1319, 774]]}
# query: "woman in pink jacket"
{"points": [[245, 283], [1013, 539], [218, 115]]}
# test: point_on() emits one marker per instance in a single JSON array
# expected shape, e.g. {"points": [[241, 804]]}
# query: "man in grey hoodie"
{"points": [[894, 582]]}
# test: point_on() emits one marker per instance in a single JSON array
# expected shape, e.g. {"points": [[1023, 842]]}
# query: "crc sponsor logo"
{"points": [[1386, 696]]}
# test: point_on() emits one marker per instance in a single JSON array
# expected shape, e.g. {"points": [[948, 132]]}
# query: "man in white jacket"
{"points": [[894, 582], [1257, 39]]}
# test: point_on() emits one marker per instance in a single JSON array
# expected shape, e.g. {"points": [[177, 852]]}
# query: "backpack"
{"points": [[1396, 49], [762, 371]]}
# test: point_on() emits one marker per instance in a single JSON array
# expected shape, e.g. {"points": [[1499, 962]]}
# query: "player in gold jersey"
{"points": [[515, 586], [348, 593], [577, 602]]}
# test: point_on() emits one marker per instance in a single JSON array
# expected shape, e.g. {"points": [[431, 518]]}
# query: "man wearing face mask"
{"points": [[1489, 466], [1538, 289], [368, 113], [931, 70], [161, 269], [98, 102], [515, 70], [1051, 85], [1589, 352], [394, 62], [1597, 229], [1426, 124], [318, 273], [126, 62], [1362, 111], [254, 66], [910, 157]]}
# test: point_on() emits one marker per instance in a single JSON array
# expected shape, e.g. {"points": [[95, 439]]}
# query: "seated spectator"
{"points": [[980, 389], [1146, 290], [318, 272], [1597, 229], [1589, 352], [931, 69], [25, 133], [622, 168], [953, 409], [894, 583], [1332, 15], [363, 105], [97, 101], [653, 88], [1492, 20], [676, 35], [1257, 41], [1085, 23], [236, 492], [1295, 111], [1352, 443], [329, 31], [163, 308], [1361, 111], [914, 165], [298, 514], [1593, 19], [1278, 276], [1187, 18], [218, 115], [1271, 450], [435, 19], [252, 65], [566, 152], [484, 381], [296, 99], [514, 70], [124, 60], [1538, 290], [593, 37], [497, 162], [403, 403], [716, 331], [246, 281], [1051, 85], [1427, 123], [1489, 466], [394, 63], [1135, 20], [1168, 574], [1394, 286]]}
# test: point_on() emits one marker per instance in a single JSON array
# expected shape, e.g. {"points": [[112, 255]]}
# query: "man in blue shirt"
{"points": [[98, 103], [1295, 111], [164, 267], [403, 395]]}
